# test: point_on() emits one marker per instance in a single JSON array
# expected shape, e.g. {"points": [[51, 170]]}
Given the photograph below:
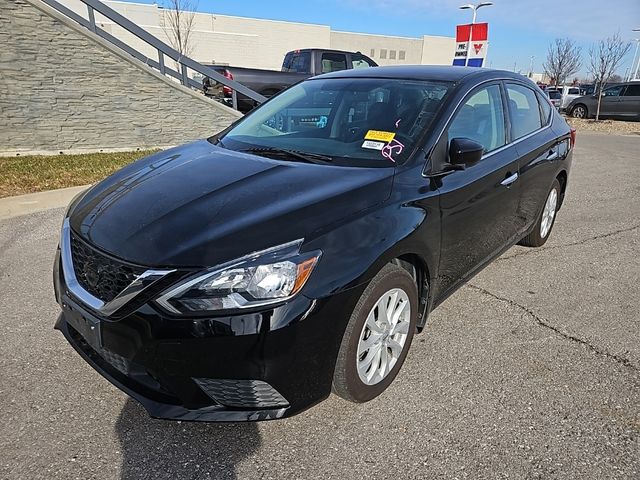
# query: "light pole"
{"points": [[635, 72], [531, 66], [475, 8]]}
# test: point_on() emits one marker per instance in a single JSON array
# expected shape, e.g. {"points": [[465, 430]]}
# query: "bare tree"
{"points": [[604, 58], [178, 18], [563, 60]]}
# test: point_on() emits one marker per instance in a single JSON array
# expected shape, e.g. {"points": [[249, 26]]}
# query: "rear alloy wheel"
{"points": [[579, 111], [547, 217], [378, 336]]}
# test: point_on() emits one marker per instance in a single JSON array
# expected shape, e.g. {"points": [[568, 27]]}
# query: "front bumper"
{"points": [[251, 366]]}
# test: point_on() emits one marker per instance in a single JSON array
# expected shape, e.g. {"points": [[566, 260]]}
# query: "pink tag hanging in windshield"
{"points": [[393, 148]]}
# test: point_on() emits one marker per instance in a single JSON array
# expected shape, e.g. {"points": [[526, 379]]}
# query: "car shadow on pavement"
{"points": [[158, 449]]}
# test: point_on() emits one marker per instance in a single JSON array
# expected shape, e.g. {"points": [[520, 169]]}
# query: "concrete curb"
{"points": [[37, 202]]}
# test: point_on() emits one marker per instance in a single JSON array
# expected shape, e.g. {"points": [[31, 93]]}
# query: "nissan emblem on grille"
{"points": [[91, 273]]}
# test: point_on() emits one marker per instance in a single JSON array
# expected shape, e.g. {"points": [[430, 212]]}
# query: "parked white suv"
{"points": [[568, 94]]}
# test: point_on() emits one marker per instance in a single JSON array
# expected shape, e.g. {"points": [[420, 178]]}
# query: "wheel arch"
{"points": [[419, 266], [586, 109], [562, 178], [419, 270]]}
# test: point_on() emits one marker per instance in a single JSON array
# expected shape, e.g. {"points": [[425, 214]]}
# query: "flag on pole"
{"points": [[474, 39]]}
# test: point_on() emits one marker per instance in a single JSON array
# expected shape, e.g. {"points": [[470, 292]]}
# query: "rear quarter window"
{"points": [[545, 109]]}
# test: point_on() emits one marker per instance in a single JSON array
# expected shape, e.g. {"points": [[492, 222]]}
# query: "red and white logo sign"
{"points": [[471, 44]]}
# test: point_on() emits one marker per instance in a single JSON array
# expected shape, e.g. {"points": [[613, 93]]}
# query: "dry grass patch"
{"points": [[36, 173], [605, 126]]}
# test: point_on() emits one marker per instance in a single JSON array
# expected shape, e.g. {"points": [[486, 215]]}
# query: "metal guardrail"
{"points": [[162, 48]]}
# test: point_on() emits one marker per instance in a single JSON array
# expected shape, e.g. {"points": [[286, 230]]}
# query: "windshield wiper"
{"points": [[304, 156]]}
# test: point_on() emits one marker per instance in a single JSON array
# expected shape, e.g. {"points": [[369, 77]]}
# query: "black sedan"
{"points": [[296, 253]]}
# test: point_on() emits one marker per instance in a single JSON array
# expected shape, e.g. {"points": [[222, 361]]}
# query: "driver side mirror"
{"points": [[465, 152]]}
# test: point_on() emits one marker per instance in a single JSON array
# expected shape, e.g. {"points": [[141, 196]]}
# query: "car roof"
{"points": [[328, 50], [444, 73]]}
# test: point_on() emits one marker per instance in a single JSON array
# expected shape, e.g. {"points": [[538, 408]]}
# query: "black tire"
{"points": [[346, 381], [580, 111], [535, 238]]}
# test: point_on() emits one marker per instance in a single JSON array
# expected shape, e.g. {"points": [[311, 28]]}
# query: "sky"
{"points": [[518, 29]]}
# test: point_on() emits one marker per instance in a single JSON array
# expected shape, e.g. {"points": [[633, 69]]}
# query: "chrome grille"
{"points": [[101, 276]]}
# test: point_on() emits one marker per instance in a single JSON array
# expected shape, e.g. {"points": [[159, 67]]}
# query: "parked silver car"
{"points": [[618, 101]]}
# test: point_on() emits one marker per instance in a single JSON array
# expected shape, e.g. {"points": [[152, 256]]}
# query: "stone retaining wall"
{"points": [[62, 88]]}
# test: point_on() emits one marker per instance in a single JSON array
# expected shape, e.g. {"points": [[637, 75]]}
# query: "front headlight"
{"points": [[262, 278]]}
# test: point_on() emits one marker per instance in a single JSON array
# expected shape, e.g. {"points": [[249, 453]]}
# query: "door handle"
{"points": [[509, 180]]}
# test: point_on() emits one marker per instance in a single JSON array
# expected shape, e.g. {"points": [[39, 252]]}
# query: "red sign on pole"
{"points": [[471, 44]]}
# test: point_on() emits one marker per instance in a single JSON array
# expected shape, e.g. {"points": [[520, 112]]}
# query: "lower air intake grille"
{"points": [[116, 361], [242, 393]]}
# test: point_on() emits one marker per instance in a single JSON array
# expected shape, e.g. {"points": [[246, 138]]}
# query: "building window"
{"points": [[401, 55], [392, 54], [373, 53], [383, 53]]}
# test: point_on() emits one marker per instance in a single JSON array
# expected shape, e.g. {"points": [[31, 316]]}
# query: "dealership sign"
{"points": [[471, 44]]}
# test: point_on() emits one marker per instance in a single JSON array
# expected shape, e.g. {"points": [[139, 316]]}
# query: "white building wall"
{"points": [[385, 50], [437, 50], [258, 43]]}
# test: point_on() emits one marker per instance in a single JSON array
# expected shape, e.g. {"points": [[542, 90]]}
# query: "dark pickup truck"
{"points": [[297, 65]]}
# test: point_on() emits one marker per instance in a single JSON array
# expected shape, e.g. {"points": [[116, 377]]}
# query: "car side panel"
{"points": [[630, 106], [478, 216], [539, 155], [357, 248]]}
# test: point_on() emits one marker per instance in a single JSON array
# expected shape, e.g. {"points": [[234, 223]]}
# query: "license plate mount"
{"points": [[89, 328]]}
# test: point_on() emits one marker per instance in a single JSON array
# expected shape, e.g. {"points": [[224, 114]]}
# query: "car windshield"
{"points": [[554, 95], [346, 121]]}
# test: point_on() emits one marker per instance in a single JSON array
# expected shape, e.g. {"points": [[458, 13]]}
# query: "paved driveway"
{"points": [[530, 371]]}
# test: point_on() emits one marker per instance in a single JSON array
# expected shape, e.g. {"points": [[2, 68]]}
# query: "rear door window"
{"points": [[333, 62], [523, 110]]}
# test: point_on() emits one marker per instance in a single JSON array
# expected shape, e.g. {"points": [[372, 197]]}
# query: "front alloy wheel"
{"points": [[383, 336], [378, 335], [579, 111]]}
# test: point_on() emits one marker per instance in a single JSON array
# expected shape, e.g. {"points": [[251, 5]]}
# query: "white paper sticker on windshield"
{"points": [[373, 145]]}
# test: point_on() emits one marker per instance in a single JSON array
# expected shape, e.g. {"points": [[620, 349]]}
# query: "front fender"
{"points": [[356, 250]]}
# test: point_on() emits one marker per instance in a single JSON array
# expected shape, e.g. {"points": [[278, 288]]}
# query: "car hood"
{"points": [[201, 205]]}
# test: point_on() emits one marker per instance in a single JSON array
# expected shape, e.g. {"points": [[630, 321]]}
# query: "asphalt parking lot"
{"points": [[530, 371]]}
